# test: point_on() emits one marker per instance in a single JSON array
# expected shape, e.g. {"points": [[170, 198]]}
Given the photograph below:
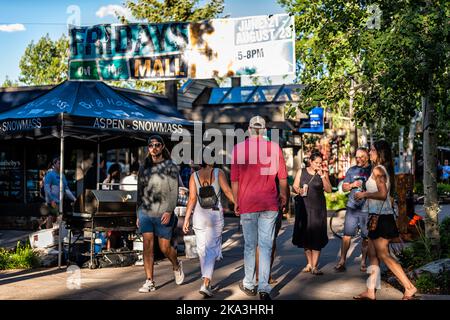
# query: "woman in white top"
{"points": [[207, 223], [381, 216]]}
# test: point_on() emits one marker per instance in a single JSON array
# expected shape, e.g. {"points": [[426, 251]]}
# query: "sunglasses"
{"points": [[155, 145]]}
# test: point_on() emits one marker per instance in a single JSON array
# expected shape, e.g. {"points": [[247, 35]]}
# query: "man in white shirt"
{"points": [[129, 183]]}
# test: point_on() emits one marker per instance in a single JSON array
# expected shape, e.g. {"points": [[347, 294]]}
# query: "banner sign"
{"points": [[258, 46], [103, 123], [314, 124]]}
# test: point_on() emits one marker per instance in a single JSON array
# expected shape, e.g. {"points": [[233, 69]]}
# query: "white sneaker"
{"points": [[179, 274], [206, 291], [148, 286]]}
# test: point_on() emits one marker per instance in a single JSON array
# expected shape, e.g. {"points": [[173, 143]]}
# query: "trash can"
{"points": [[190, 247]]}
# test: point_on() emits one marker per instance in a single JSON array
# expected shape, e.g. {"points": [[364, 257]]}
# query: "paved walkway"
{"points": [[123, 283]]}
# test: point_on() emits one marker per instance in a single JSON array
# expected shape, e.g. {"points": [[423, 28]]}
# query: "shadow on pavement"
{"points": [[6, 278]]}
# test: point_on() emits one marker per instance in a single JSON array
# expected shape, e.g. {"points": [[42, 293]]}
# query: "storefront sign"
{"points": [[314, 124], [259, 46], [19, 125], [136, 125], [9, 164]]}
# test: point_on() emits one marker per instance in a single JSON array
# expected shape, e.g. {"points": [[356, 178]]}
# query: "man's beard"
{"points": [[156, 155]]}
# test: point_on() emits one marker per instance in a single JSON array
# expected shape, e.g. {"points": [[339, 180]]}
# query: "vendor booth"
{"points": [[75, 115]]}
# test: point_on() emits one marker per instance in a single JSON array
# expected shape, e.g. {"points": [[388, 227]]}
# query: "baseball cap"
{"points": [[155, 137], [257, 122]]}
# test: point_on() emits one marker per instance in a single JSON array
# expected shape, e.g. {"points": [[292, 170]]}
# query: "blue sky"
{"points": [[48, 16]]}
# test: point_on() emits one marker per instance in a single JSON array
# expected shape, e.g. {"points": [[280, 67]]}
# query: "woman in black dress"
{"points": [[310, 228]]}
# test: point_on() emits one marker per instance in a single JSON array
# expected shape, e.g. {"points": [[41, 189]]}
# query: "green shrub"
{"points": [[443, 281], [336, 200], [418, 188], [416, 256], [22, 257], [437, 284], [426, 283], [443, 189], [444, 232]]}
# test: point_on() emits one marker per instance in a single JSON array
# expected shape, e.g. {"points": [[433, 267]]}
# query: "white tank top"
{"points": [[216, 186], [378, 206]]}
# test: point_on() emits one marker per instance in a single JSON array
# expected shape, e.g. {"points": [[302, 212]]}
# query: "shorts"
{"points": [[386, 228], [149, 224], [353, 219]]}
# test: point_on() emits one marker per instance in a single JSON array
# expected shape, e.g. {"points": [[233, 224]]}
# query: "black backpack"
{"points": [[207, 197]]}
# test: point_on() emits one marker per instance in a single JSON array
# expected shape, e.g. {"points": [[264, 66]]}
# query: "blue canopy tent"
{"points": [[86, 110], [88, 107]]}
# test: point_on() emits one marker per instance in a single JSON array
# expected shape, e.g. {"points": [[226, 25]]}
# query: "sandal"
{"points": [[413, 297], [316, 272], [361, 297], [308, 268], [410, 297], [340, 268]]}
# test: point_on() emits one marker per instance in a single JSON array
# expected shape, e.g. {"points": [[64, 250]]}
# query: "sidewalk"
{"points": [[123, 283]]}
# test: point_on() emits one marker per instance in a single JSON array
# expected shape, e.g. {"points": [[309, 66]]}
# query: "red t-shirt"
{"points": [[256, 163]]}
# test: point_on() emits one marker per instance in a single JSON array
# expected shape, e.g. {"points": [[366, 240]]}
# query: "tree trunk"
{"points": [[401, 151], [431, 204], [410, 147], [364, 140], [353, 129]]}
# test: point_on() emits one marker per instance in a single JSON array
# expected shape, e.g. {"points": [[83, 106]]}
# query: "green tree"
{"points": [[382, 75], [45, 62], [413, 75], [9, 83], [156, 11]]}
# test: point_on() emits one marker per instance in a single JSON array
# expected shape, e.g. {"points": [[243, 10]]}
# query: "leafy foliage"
{"points": [[156, 11], [23, 257], [418, 254], [9, 83], [45, 62], [336, 200]]}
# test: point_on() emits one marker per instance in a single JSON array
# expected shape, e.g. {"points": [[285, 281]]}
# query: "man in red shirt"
{"points": [[255, 166]]}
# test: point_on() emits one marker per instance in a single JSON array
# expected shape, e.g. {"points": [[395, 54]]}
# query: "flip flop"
{"points": [[360, 297], [340, 268], [413, 297], [316, 272], [306, 269]]}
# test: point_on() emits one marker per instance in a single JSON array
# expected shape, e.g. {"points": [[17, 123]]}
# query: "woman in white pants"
{"points": [[207, 223]]}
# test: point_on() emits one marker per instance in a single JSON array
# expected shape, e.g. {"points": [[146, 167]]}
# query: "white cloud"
{"points": [[12, 27], [113, 10]]}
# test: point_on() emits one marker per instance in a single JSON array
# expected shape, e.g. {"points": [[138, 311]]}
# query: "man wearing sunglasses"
{"points": [[156, 201]]}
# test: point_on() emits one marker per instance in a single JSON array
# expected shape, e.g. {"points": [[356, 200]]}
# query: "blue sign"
{"points": [[314, 124]]}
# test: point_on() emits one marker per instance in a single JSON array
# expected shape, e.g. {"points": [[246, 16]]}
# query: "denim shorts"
{"points": [[149, 224], [353, 218]]}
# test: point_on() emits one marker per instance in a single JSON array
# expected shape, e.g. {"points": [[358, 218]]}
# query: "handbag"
{"points": [[373, 219]]}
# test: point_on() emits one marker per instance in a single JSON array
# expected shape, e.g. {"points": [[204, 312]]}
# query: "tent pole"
{"points": [[61, 190], [98, 164]]}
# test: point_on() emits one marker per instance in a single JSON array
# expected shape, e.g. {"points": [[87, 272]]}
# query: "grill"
{"points": [[102, 210], [105, 210]]}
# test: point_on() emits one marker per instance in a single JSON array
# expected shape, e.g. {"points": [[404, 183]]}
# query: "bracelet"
{"points": [[322, 176]]}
